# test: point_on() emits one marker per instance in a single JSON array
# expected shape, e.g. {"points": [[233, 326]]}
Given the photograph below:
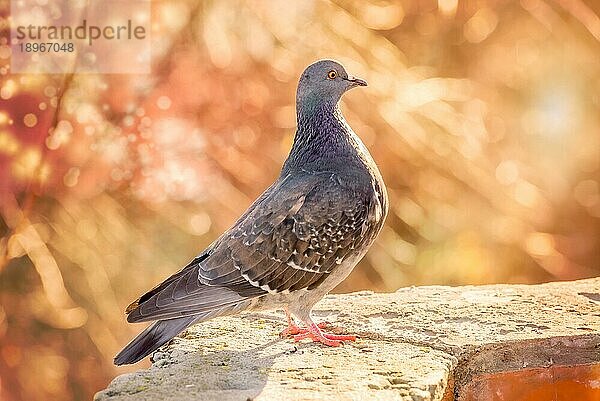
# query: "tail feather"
{"points": [[161, 331], [154, 336]]}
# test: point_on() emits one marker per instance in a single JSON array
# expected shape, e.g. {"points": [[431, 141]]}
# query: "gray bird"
{"points": [[295, 243]]}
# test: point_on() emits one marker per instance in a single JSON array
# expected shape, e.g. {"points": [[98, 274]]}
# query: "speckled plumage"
{"points": [[296, 242]]}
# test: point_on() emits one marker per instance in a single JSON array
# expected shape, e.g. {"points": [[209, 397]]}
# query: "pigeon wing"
{"points": [[294, 237]]}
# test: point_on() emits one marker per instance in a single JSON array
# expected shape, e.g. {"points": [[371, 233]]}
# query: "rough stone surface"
{"points": [[414, 345]]}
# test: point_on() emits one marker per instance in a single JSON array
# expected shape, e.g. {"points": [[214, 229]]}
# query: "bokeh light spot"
{"points": [[8, 143], [481, 25], [448, 7], [60, 135], [50, 91], [539, 244], [586, 193], [382, 16], [25, 166], [30, 120], [71, 177], [507, 172], [163, 102], [200, 223], [8, 89]]}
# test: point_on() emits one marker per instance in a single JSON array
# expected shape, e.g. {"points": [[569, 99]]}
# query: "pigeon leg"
{"points": [[315, 334], [293, 329]]}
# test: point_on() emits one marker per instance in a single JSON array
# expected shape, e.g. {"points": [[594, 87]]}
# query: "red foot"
{"points": [[293, 329], [315, 334]]}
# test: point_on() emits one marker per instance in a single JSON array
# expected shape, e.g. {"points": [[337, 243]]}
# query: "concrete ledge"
{"points": [[419, 343]]}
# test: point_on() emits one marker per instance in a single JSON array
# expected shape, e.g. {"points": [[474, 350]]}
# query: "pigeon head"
{"points": [[325, 81]]}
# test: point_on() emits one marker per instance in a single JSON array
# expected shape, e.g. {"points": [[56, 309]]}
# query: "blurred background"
{"points": [[484, 117]]}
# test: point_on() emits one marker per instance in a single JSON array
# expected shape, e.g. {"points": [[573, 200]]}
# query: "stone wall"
{"points": [[419, 343]]}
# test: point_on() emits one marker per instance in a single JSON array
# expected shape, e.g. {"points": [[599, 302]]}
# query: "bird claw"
{"points": [[290, 331], [331, 340], [313, 331], [316, 335], [294, 330]]}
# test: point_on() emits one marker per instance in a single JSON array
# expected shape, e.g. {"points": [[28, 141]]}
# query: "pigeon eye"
{"points": [[332, 74]]}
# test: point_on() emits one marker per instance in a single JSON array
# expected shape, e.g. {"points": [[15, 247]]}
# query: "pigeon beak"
{"points": [[356, 81]]}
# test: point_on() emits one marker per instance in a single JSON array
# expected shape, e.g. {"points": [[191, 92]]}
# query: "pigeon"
{"points": [[294, 244]]}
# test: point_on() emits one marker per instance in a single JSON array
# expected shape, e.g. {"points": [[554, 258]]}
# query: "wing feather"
{"points": [[290, 239], [295, 240]]}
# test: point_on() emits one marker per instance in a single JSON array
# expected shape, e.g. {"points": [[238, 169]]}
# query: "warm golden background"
{"points": [[484, 117]]}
